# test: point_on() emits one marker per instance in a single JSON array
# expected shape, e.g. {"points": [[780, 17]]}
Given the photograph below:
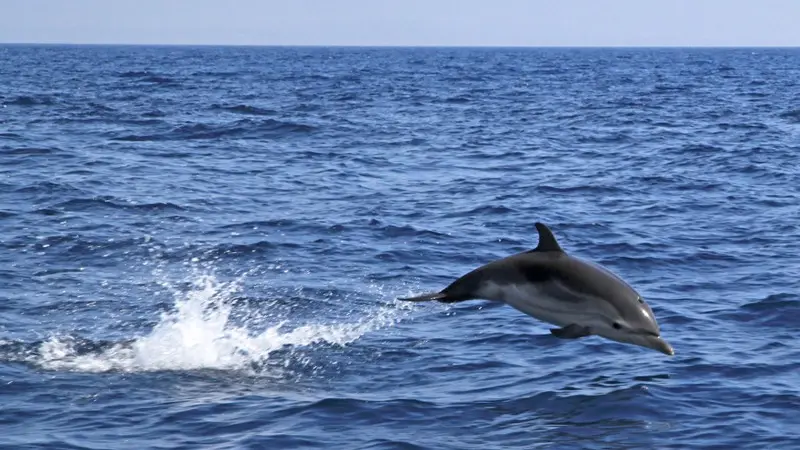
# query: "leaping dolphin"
{"points": [[580, 297]]}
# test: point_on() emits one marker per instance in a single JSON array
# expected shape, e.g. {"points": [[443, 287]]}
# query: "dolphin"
{"points": [[580, 297]]}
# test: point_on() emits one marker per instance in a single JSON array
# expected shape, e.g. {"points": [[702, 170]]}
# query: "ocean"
{"points": [[202, 247]]}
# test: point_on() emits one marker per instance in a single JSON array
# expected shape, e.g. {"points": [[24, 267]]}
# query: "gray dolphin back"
{"points": [[507, 269]]}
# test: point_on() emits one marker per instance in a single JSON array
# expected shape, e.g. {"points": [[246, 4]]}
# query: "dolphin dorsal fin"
{"points": [[547, 242]]}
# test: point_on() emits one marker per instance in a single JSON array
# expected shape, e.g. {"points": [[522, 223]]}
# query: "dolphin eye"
{"points": [[616, 326]]}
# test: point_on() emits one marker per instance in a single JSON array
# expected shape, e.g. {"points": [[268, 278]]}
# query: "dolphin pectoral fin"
{"points": [[425, 297], [572, 331]]}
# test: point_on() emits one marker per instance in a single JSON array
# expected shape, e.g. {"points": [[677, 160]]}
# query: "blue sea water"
{"points": [[202, 247]]}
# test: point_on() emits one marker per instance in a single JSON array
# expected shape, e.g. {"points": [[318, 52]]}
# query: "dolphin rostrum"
{"points": [[580, 297]]}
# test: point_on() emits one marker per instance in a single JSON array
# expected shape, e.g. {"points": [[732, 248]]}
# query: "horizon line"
{"points": [[487, 46]]}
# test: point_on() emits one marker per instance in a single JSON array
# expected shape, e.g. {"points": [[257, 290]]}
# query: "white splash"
{"points": [[199, 334]]}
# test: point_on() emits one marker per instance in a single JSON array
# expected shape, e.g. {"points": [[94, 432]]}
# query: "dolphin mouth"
{"points": [[658, 344]]}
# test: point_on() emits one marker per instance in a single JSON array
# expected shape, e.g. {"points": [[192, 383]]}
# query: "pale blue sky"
{"points": [[405, 22]]}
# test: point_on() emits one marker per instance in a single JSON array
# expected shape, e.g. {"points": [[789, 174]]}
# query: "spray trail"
{"points": [[199, 334]]}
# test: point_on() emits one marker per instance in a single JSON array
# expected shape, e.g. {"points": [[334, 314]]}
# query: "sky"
{"points": [[404, 22]]}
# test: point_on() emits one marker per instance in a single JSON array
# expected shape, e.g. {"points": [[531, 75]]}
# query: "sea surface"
{"points": [[201, 247]]}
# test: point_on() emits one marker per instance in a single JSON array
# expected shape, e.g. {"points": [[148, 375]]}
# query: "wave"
{"points": [[457, 100], [157, 79], [100, 108], [793, 116], [481, 211], [89, 119], [147, 77], [87, 204], [671, 88], [775, 310], [255, 224], [28, 100], [200, 333], [154, 113], [743, 126], [609, 138], [29, 151], [254, 248], [773, 302], [284, 225], [357, 407], [583, 188], [699, 149], [133, 74], [74, 246], [49, 187], [392, 231], [245, 109], [242, 129]]}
